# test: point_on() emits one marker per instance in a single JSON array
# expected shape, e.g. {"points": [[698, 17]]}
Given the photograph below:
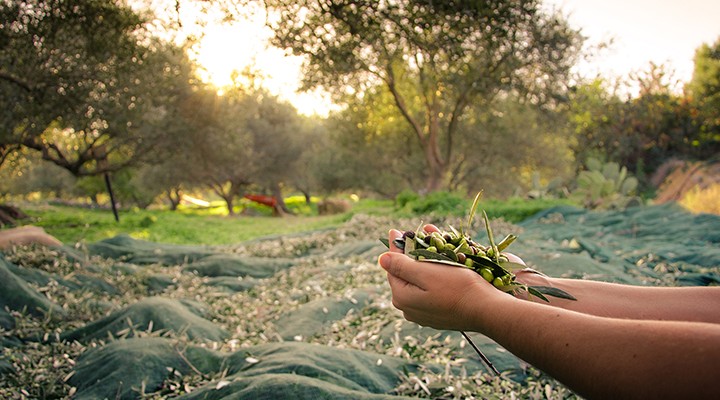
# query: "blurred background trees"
{"points": [[432, 96], [435, 60]]}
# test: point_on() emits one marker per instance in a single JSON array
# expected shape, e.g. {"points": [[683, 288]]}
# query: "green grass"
{"points": [[211, 226], [72, 225], [516, 209], [513, 210]]}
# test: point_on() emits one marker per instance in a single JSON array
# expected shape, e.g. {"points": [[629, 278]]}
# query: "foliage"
{"points": [[641, 133], [704, 89], [445, 204], [439, 203], [85, 84], [26, 174], [508, 139], [432, 78], [278, 143], [538, 190], [367, 147], [606, 186], [505, 144], [405, 197], [517, 209]]}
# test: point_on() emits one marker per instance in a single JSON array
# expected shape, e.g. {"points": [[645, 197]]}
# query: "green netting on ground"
{"points": [[235, 265], [153, 314], [123, 247], [126, 369], [16, 294], [362, 248], [413, 336], [123, 369], [252, 302], [232, 283], [623, 245], [77, 281], [315, 316]]}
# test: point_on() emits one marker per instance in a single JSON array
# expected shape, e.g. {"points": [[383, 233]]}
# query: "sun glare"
{"points": [[229, 48]]}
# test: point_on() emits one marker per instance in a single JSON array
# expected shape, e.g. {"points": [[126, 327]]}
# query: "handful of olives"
{"points": [[457, 248]]}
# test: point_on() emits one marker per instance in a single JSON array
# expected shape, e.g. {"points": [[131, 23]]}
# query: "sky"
{"points": [[641, 31]]}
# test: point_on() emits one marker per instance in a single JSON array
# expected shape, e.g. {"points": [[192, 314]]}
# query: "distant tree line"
{"points": [[457, 96]]}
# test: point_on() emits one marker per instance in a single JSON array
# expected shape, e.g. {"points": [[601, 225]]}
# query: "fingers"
{"points": [[514, 259], [431, 228], [401, 267], [392, 235]]}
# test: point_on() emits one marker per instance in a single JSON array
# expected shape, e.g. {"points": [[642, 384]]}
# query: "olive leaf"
{"points": [[512, 266], [506, 242], [552, 291], [495, 267], [471, 214], [495, 253], [533, 291], [431, 255]]}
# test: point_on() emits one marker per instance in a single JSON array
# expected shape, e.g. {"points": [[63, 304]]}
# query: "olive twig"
{"points": [[483, 357]]}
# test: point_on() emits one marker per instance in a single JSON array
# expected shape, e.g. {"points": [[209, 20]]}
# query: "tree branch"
{"points": [[6, 76]]}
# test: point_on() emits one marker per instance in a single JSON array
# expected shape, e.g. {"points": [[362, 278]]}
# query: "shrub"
{"points": [[405, 197], [439, 203], [606, 186]]}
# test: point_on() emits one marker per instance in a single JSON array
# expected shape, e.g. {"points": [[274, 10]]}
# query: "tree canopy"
{"points": [[435, 59], [84, 83]]}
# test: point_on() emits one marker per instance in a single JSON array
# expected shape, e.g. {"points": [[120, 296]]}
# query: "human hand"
{"points": [[439, 296]]}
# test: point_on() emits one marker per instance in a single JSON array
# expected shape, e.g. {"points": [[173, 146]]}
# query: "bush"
{"points": [[405, 197], [438, 203], [606, 186], [517, 209]]}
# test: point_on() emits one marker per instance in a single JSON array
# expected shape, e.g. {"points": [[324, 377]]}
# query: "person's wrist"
{"points": [[488, 308]]}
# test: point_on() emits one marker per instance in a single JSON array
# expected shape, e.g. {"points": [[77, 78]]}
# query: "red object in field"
{"points": [[264, 200]]}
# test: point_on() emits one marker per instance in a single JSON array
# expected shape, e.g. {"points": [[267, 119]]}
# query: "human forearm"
{"points": [[607, 357], [699, 304]]}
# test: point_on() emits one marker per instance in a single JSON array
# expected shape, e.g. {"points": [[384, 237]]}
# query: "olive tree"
{"points": [[436, 59], [85, 84]]}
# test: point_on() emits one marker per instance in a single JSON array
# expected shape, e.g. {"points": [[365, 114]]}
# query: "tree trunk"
{"points": [[437, 170], [280, 208], [229, 202], [174, 196], [306, 194]]}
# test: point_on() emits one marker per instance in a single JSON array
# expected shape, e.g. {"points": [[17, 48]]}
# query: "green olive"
{"points": [[487, 274]]}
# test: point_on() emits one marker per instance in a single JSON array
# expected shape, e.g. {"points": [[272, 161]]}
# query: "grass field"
{"points": [[212, 225]]}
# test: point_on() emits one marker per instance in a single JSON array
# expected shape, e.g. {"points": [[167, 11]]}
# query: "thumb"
{"points": [[401, 266]]}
